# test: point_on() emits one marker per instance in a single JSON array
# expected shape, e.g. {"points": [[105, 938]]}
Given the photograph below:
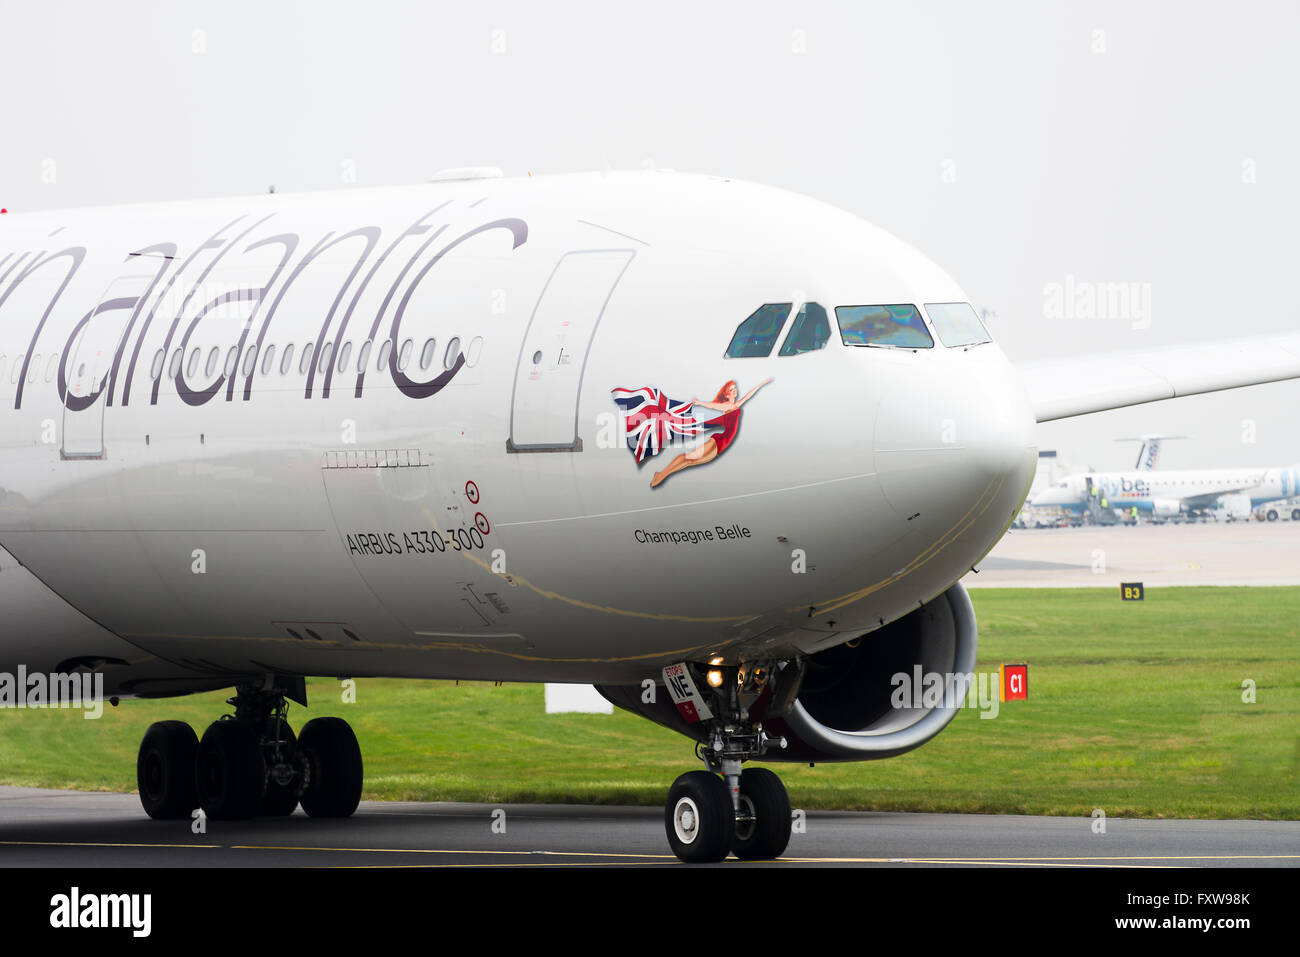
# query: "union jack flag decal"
{"points": [[653, 420]]}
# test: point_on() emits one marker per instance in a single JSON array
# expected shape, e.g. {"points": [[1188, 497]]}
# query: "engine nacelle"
{"points": [[849, 707], [1165, 507]]}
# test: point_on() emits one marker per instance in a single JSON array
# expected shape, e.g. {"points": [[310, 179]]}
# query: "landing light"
{"points": [[714, 678]]}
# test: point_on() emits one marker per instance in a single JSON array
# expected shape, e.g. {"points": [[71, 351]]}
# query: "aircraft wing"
{"points": [[1211, 499], [1060, 388]]}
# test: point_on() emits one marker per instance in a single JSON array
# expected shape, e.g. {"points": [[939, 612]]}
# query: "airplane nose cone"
{"points": [[956, 448], [1001, 432]]}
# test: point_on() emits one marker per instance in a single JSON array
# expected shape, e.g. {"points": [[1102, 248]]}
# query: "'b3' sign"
{"points": [[1130, 591]]}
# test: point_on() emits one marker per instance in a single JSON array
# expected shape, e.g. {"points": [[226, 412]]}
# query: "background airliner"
{"points": [[1169, 492], [375, 433]]}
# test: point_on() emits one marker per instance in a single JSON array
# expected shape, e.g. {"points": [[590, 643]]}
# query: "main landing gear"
{"points": [[250, 764], [726, 810]]}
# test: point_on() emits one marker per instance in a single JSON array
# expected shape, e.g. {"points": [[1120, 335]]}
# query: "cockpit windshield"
{"points": [[900, 326], [957, 324], [810, 331], [757, 335]]}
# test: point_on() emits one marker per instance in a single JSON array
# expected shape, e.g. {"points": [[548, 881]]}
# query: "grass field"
{"points": [[1135, 708]]}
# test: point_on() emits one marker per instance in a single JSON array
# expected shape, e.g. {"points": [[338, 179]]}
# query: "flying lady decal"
{"points": [[652, 422]]}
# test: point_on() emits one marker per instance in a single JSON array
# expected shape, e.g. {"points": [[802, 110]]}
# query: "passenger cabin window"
{"points": [[898, 326], [757, 335], [810, 332], [957, 324]]}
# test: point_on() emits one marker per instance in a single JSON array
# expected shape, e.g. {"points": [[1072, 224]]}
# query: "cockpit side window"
{"points": [[957, 324], [757, 335], [899, 326], [811, 331]]}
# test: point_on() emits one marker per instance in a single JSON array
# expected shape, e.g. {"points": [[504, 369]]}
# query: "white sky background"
{"points": [[993, 136]]}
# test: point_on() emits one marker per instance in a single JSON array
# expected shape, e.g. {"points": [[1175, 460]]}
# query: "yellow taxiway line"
{"points": [[1138, 860]]}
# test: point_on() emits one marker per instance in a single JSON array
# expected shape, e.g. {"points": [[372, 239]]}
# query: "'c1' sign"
{"points": [[1015, 682]]}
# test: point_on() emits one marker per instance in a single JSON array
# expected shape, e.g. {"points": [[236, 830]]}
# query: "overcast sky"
{"points": [[1038, 151]]}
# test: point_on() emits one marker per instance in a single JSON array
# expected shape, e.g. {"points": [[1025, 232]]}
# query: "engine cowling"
{"points": [[1165, 507], [848, 708]]}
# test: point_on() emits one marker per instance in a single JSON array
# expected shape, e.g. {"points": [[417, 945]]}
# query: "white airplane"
{"points": [[721, 450], [1165, 493]]}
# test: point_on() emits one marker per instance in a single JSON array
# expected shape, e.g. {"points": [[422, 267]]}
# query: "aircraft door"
{"points": [[553, 357], [89, 364]]}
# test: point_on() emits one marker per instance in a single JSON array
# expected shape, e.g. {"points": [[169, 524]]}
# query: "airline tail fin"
{"points": [[1149, 453]]}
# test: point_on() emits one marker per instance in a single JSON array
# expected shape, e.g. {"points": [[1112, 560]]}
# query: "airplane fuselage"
{"points": [[373, 433]]}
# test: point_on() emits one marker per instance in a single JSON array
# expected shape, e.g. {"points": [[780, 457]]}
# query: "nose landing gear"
{"points": [[727, 810], [704, 825]]}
